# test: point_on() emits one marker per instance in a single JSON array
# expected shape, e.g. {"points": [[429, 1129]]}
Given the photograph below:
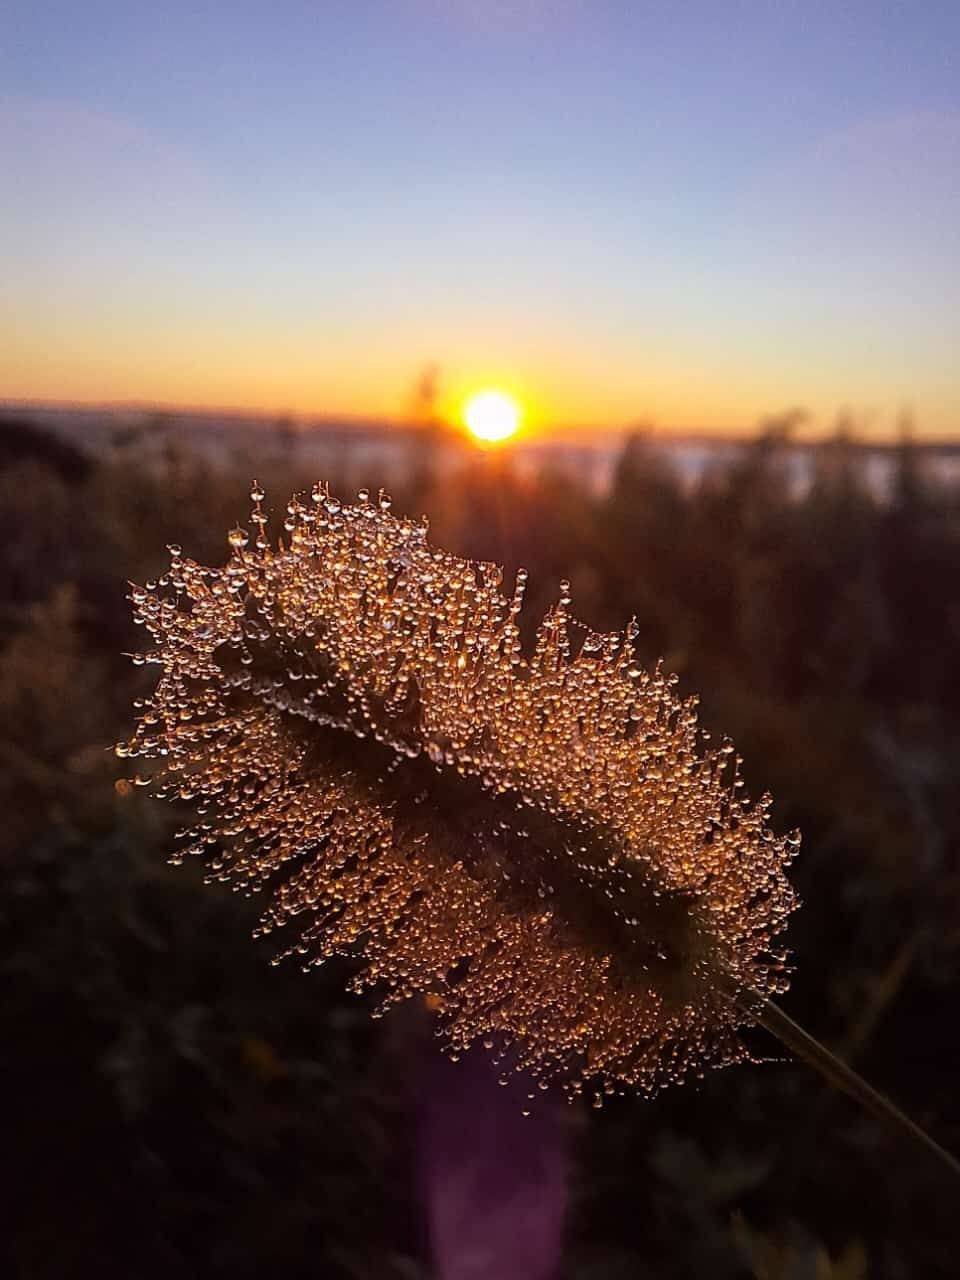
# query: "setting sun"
{"points": [[491, 416]]}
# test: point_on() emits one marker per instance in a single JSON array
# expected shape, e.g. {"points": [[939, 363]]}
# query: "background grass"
{"points": [[174, 1105]]}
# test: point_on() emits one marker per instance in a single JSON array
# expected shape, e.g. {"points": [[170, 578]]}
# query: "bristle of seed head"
{"points": [[543, 842]]}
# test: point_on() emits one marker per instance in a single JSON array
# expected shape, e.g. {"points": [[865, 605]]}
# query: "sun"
{"points": [[491, 416]]}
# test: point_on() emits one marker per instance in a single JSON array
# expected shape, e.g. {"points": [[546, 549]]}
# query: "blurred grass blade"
{"points": [[841, 1076]]}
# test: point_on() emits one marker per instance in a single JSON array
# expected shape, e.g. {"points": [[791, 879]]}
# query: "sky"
{"points": [[688, 213]]}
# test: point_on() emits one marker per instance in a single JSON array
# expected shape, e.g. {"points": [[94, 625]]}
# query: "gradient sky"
{"points": [[693, 212]]}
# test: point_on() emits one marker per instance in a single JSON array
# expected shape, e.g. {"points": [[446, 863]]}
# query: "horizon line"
{"points": [[595, 433]]}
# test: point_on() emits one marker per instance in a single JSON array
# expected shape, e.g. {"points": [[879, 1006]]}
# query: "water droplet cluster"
{"points": [[544, 842]]}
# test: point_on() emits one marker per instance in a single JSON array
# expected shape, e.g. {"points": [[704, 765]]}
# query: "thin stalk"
{"points": [[836, 1072]]}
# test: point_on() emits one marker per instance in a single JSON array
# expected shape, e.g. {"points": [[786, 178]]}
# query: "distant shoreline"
{"points": [[139, 412]]}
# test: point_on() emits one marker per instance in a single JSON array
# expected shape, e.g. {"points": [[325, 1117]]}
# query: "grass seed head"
{"points": [[543, 842]]}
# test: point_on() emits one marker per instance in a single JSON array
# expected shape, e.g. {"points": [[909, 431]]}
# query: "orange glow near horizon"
{"points": [[557, 387]]}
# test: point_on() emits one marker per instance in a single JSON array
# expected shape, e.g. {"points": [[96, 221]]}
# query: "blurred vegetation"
{"points": [[172, 1104]]}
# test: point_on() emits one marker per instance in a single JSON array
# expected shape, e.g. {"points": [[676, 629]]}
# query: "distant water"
{"points": [[379, 453]]}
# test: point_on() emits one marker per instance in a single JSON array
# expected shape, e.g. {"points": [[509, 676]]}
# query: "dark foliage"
{"points": [[174, 1105]]}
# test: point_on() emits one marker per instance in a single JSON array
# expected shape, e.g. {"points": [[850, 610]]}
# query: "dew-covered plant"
{"points": [[542, 840]]}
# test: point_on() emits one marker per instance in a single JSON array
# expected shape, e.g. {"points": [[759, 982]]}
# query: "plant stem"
{"points": [[836, 1072]]}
